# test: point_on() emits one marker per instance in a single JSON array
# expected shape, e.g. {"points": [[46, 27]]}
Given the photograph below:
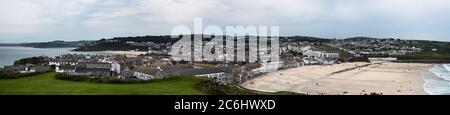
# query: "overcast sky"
{"points": [[46, 20]]}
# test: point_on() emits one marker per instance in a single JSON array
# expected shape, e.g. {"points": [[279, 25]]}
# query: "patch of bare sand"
{"points": [[386, 78]]}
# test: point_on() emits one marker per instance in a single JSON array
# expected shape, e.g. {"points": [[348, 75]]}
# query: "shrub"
{"points": [[14, 75], [109, 79], [212, 87], [62, 76]]}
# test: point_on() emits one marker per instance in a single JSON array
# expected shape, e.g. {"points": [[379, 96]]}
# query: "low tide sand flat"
{"points": [[347, 78]]}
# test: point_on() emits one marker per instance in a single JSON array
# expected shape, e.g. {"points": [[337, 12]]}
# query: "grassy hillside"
{"points": [[46, 84], [442, 51]]}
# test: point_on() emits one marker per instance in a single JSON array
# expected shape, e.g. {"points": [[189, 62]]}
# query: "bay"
{"points": [[9, 54]]}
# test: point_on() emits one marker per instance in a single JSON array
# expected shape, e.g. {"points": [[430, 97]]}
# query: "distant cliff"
{"points": [[140, 43], [160, 42], [52, 44]]}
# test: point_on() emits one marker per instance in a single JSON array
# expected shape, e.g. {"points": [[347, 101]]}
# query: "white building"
{"points": [[115, 67], [143, 76], [383, 59], [320, 57], [57, 63], [218, 76], [68, 69]]}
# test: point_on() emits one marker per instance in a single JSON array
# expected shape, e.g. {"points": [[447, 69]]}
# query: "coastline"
{"points": [[386, 78], [12, 53], [434, 84], [422, 74], [127, 53]]}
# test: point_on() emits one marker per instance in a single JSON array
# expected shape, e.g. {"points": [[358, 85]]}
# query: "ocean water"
{"points": [[437, 80], [9, 54]]}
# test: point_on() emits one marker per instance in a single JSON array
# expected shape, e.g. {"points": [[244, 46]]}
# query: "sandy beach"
{"points": [[346, 79]]}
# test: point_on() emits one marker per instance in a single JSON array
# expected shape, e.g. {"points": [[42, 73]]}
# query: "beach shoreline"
{"points": [[108, 52], [423, 77], [436, 80], [357, 78], [128, 53]]}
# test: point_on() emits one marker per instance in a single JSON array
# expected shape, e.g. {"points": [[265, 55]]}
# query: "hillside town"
{"points": [[366, 46], [159, 63]]}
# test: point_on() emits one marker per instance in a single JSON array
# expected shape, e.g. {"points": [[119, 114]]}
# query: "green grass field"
{"points": [[46, 84]]}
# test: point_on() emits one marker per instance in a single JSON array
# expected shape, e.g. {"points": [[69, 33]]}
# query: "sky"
{"points": [[71, 20]]}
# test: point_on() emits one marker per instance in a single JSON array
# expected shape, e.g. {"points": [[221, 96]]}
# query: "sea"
{"points": [[437, 80], [9, 54]]}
